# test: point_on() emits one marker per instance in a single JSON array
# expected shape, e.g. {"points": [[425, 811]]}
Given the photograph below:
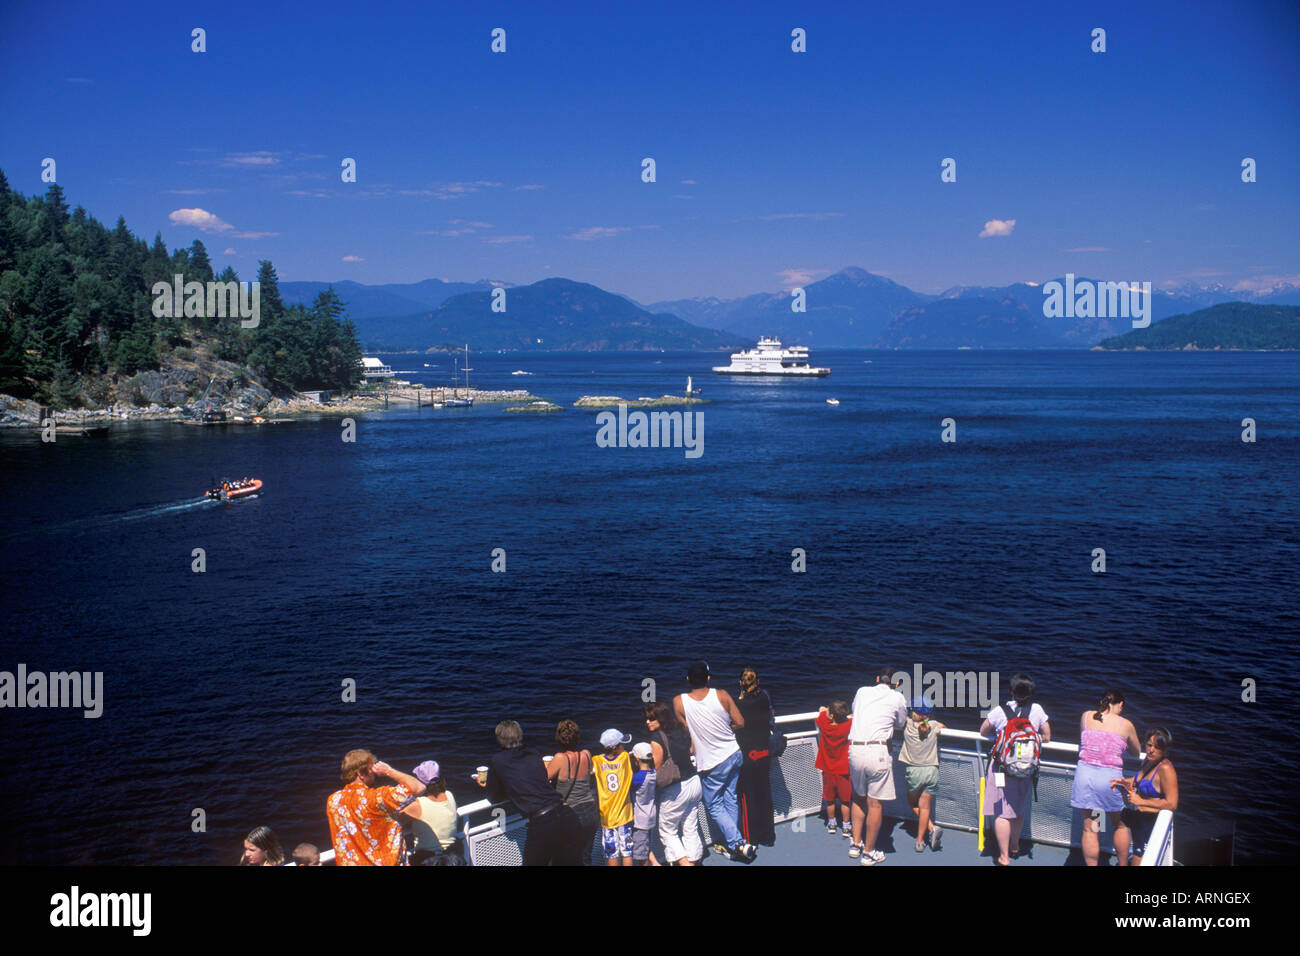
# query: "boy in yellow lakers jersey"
{"points": [[613, 772]]}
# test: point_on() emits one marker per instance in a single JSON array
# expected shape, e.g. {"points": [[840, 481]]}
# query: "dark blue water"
{"points": [[372, 561]]}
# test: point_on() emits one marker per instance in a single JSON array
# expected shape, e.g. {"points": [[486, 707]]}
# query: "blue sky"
{"points": [[773, 168]]}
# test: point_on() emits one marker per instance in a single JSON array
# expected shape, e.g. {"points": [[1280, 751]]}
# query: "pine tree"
{"points": [[269, 286], [200, 264], [56, 212]]}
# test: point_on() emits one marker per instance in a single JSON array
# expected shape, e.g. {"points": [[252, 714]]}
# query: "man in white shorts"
{"points": [[878, 711]]}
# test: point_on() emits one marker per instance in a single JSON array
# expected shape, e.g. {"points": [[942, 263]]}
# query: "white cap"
{"points": [[612, 738], [643, 751]]}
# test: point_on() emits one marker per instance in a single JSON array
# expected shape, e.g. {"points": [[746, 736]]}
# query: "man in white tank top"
{"points": [[712, 718]]}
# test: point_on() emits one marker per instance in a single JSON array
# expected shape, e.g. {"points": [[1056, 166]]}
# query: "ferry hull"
{"points": [[792, 373]]}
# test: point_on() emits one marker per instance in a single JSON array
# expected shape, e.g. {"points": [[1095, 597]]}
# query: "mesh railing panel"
{"points": [[796, 784], [796, 791], [498, 847]]}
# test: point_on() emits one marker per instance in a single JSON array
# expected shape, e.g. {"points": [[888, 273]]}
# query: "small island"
{"points": [[613, 401], [537, 406]]}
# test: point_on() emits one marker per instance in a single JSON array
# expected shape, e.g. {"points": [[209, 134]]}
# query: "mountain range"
{"points": [[852, 308]]}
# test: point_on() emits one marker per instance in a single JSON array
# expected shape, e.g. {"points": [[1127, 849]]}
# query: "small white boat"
{"points": [[520, 371], [832, 401]]}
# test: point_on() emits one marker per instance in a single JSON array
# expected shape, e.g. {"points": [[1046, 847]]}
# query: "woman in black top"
{"points": [[677, 794], [755, 784]]}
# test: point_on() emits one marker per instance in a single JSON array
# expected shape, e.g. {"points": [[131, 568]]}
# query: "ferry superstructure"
{"points": [[770, 358]]}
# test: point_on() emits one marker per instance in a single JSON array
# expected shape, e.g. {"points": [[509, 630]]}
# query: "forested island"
{"points": [[1231, 325], [79, 326]]}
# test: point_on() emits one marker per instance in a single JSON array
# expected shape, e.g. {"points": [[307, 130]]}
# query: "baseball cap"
{"points": [[643, 751], [698, 672], [922, 706], [427, 771], [612, 738]]}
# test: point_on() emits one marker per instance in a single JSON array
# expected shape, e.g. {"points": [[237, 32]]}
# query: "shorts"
{"points": [[617, 841], [641, 845], [872, 771], [836, 786], [922, 780], [1140, 826]]}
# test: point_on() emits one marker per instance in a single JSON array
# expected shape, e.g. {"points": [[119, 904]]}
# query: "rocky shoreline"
{"points": [[25, 413], [613, 401]]}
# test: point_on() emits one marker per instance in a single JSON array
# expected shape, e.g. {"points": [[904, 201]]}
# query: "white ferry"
{"points": [[769, 358]]}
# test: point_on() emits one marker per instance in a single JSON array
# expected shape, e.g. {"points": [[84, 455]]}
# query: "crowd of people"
{"points": [[709, 748], [228, 486]]}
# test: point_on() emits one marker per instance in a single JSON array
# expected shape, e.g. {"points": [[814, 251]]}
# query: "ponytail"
{"points": [[1111, 696]]}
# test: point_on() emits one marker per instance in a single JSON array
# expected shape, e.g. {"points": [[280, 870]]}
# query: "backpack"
{"points": [[1017, 748]]}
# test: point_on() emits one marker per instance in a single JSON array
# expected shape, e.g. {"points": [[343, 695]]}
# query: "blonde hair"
{"points": [[748, 680], [354, 763]]}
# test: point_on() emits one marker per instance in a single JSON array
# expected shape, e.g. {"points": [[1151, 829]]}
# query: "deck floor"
{"points": [[811, 845]]}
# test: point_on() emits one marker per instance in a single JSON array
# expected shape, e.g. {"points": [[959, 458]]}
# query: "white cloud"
{"points": [[530, 186], [205, 221], [199, 219], [801, 215], [790, 278], [353, 259], [456, 190], [688, 182], [501, 240], [598, 232], [261, 157], [228, 252], [1265, 283], [997, 227]]}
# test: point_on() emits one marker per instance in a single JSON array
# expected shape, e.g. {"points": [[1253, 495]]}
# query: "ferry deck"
{"points": [[494, 836]]}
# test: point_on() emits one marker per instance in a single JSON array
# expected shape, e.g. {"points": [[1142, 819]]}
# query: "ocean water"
{"points": [[371, 562]]}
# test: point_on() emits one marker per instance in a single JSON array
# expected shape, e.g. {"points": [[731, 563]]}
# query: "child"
{"points": [[834, 724], [306, 854], [613, 772], [644, 815], [920, 755]]}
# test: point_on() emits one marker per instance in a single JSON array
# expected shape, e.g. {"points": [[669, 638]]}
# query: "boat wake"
{"points": [[92, 522], [160, 510]]}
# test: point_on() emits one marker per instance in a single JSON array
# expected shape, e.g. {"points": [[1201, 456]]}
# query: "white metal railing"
{"points": [[797, 792], [1160, 845]]}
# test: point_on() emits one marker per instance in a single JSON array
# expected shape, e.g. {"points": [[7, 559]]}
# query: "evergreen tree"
{"points": [[76, 299], [200, 264], [56, 209]]}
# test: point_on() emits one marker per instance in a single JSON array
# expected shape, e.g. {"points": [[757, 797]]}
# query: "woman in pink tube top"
{"points": [[1104, 736]]}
